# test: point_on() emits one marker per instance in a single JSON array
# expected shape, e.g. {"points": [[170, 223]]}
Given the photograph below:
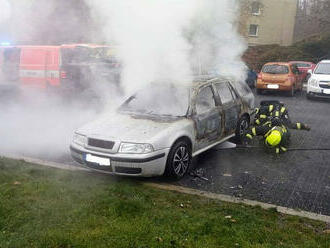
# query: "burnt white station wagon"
{"points": [[158, 130]]}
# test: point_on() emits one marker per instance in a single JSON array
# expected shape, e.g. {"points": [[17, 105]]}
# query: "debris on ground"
{"points": [[199, 173], [17, 183], [228, 217], [239, 195], [227, 175]]}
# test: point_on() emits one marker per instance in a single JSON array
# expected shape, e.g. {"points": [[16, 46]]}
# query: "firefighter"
{"points": [[275, 137], [274, 126], [277, 113], [263, 112]]}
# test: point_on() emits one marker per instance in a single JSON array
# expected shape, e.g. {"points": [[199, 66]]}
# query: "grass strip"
{"points": [[47, 207]]}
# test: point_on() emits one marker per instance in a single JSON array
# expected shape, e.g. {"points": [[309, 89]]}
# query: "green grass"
{"points": [[44, 207]]}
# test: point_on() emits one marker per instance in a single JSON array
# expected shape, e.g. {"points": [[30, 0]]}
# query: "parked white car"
{"points": [[319, 82], [159, 129]]}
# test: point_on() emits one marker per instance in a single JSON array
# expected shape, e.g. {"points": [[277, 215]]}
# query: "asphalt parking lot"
{"points": [[297, 179]]}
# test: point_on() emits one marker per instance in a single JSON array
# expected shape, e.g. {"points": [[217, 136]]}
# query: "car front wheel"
{"points": [[178, 160]]}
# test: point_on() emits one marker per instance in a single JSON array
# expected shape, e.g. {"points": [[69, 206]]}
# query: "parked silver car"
{"points": [[158, 130]]}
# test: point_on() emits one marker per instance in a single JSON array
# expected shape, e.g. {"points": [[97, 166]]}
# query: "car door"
{"points": [[230, 105], [207, 117]]}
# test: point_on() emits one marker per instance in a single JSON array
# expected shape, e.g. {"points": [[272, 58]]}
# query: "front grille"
{"points": [[324, 85], [127, 170], [101, 143]]}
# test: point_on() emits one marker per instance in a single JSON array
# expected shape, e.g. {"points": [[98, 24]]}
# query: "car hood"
{"points": [[127, 128], [321, 77]]}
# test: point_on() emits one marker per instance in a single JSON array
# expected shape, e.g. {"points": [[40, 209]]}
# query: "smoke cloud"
{"points": [[171, 40], [155, 40], [5, 10], [40, 125]]}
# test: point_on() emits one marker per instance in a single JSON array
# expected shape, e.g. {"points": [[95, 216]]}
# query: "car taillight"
{"points": [[260, 76], [63, 74]]}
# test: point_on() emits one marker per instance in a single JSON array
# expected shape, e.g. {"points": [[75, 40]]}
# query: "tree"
{"points": [[313, 17]]}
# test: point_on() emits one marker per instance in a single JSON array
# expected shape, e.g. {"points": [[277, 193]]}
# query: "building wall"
{"points": [[276, 22]]}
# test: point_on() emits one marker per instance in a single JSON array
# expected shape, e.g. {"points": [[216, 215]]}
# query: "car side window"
{"points": [[224, 92], [295, 69], [205, 101]]}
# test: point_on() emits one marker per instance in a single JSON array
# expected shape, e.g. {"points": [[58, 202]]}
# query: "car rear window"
{"points": [[322, 68], [276, 69], [302, 65]]}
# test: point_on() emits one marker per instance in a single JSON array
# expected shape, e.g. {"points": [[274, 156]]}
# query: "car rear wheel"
{"points": [[243, 125], [178, 160]]}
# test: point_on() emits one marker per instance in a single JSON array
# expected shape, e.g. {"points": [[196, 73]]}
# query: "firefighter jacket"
{"points": [[265, 130], [278, 115]]}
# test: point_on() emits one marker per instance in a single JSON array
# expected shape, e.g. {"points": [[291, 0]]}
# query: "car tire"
{"points": [[243, 125], [178, 160], [309, 97]]}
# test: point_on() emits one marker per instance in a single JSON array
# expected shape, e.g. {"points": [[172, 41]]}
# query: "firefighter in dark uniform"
{"points": [[262, 113], [272, 122]]}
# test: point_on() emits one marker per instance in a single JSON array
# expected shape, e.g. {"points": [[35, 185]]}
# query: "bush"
{"points": [[313, 49]]}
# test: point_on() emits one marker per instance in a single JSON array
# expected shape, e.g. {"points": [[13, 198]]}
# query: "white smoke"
{"points": [[216, 42], [154, 39], [166, 39], [40, 125], [149, 38], [5, 10]]}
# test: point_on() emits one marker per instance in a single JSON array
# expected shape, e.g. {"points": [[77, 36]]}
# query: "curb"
{"points": [[184, 190], [46, 163], [232, 199]]}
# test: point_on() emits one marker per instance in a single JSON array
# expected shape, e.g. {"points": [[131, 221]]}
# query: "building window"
{"points": [[255, 8], [253, 30]]}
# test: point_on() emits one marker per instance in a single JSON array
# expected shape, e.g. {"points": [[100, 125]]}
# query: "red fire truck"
{"points": [[66, 67]]}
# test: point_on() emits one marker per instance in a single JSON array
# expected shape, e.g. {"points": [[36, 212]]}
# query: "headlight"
{"points": [[313, 82], [79, 139], [135, 148]]}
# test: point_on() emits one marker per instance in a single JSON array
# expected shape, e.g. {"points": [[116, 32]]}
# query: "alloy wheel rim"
{"points": [[181, 161]]}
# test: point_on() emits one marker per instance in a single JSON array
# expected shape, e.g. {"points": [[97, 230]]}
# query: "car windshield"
{"points": [[162, 100], [275, 69], [302, 65], [323, 68]]}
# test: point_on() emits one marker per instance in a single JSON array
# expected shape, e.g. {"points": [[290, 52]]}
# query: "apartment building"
{"points": [[264, 22]]}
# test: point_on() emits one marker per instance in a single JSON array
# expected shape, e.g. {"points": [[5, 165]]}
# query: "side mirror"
{"points": [[310, 71]]}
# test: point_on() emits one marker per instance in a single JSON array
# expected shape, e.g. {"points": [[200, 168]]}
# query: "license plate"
{"points": [[273, 86], [98, 160], [326, 91]]}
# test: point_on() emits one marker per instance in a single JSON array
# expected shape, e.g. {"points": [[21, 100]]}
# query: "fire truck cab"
{"points": [[70, 67]]}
